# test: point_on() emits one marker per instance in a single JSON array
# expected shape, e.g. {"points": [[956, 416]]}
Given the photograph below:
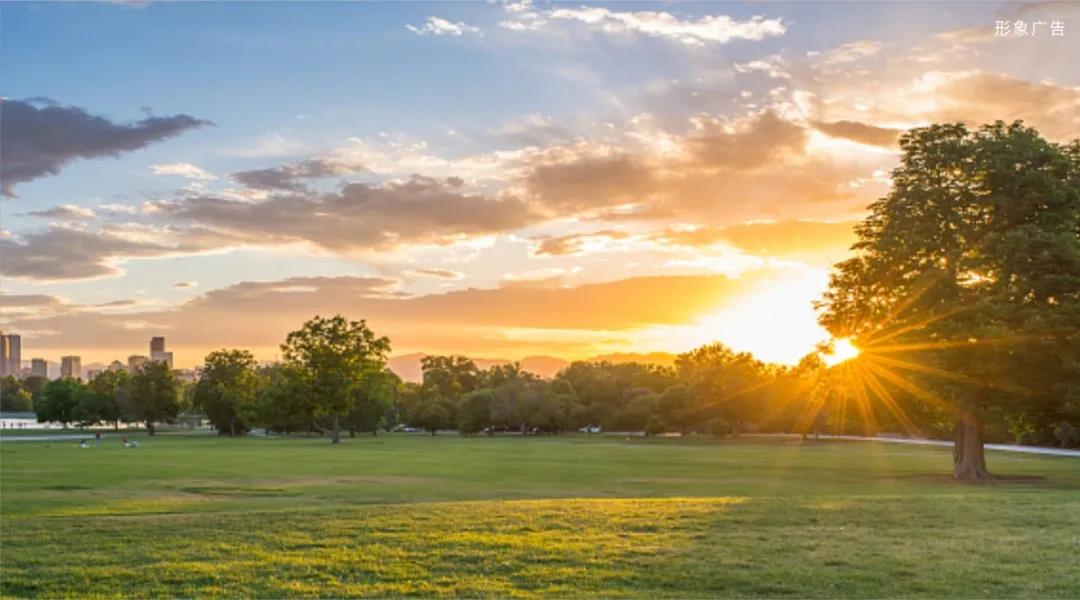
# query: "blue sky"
{"points": [[559, 147]]}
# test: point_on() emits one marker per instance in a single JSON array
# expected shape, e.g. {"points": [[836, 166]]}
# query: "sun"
{"points": [[842, 350]]}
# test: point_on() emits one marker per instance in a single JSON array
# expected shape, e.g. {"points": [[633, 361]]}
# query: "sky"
{"points": [[490, 179]]}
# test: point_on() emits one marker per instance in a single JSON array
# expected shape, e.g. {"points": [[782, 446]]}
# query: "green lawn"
{"points": [[565, 516]]}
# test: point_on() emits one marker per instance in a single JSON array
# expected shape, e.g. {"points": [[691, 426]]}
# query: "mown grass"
{"points": [[574, 516]]}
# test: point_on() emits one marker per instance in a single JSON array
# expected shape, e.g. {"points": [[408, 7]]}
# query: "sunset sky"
{"points": [[492, 179]]}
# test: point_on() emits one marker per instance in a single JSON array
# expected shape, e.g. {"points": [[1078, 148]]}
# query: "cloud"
{"points": [[709, 29], [860, 132], [60, 253], [39, 137], [184, 285], [359, 217], [436, 273], [40, 306], [848, 53], [772, 66], [261, 313], [752, 143], [182, 169], [768, 238], [65, 212], [440, 26], [573, 181], [576, 243], [289, 177]]}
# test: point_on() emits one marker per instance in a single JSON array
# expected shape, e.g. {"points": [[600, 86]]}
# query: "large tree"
{"points": [[965, 285], [334, 356], [227, 389], [155, 394]]}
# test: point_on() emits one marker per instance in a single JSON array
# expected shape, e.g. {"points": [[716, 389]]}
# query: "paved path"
{"points": [[60, 437], [922, 442], [89, 436]]}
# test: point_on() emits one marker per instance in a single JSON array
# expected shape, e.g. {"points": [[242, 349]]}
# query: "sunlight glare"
{"points": [[842, 350]]}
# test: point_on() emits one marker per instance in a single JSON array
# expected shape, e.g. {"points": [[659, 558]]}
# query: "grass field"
{"points": [[566, 516]]}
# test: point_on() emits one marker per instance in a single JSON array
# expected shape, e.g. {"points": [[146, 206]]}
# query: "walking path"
{"points": [[89, 436], [922, 442], [59, 437]]}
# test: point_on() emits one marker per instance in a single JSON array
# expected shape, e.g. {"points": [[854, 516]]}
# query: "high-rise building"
{"points": [[10, 354], [137, 360], [39, 368], [158, 353], [71, 366]]}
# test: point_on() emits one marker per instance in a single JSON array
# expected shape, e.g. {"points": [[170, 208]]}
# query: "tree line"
{"points": [[334, 377]]}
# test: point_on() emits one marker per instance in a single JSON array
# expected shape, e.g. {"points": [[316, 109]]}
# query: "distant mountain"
{"points": [[407, 366], [657, 358]]}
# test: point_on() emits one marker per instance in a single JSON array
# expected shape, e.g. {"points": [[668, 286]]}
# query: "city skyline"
{"points": [[493, 180]]}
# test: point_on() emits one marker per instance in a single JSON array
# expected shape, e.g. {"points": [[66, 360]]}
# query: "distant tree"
{"points": [[474, 414], [92, 408], [100, 399], [435, 415], [372, 401], [226, 390], [35, 384], [675, 407], [966, 280], [13, 397], [58, 401], [449, 377], [333, 356], [410, 402], [728, 386], [155, 394], [282, 403], [654, 427]]}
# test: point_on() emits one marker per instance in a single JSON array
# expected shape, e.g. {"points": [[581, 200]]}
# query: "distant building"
{"points": [[39, 368], [71, 366], [10, 354], [116, 366], [92, 373], [158, 353], [137, 360]]}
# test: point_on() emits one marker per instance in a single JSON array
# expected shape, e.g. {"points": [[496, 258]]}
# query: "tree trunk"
{"points": [[969, 458], [116, 425], [150, 428], [335, 438]]}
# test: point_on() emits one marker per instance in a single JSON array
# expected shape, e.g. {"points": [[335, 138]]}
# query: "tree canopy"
{"points": [[964, 289]]}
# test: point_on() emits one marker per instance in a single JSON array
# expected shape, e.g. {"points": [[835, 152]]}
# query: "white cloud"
{"points": [[183, 170], [440, 26], [848, 53], [716, 29], [772, 66]]}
